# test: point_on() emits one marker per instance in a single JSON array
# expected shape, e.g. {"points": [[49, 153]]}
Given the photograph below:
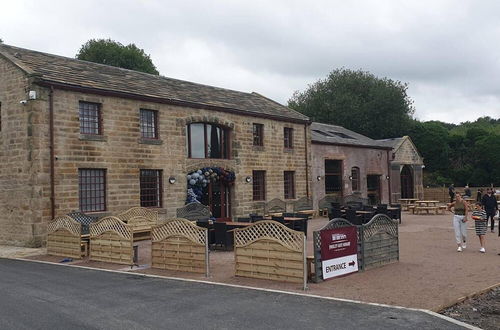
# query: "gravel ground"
{"points": [[482, 311]]}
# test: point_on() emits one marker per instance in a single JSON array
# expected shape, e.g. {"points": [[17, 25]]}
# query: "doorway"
{"points": [[406, 182], [373, 187], [217, 196]]}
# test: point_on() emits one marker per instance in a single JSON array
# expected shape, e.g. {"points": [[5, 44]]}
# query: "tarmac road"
{"points": [[44, 296]]}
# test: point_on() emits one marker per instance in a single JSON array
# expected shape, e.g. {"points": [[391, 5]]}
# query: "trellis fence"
{"points": [[270, 250], [378, 243]]}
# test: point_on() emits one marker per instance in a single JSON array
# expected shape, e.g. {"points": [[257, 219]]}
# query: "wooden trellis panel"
{"points": [[270, 250], [275, 205], [111, 241], [143, 212], [178, 244], [64, 238], [302, 204], [380, 239]]}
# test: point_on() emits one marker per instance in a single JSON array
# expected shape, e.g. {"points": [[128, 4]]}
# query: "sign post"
{"points": [[339, 251]]}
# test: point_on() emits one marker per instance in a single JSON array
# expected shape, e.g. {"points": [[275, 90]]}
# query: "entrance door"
{"points": [[406, 182], [217, 196], [373, 185]]}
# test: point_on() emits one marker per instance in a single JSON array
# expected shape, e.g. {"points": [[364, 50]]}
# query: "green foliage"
{"points": [[358, 100], [468, 153], [110, 52]]}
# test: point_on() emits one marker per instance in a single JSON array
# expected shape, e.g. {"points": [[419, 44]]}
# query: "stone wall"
{"points": [[23, 182], [369, 161], [123, 154]]}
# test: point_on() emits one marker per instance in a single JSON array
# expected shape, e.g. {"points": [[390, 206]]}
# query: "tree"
{"points": [[358, 100], [110, 52]]}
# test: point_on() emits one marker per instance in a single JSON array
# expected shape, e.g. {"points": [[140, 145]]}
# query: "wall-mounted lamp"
{"points": [[387, 177], [248, 179], [350, 177], [318, 178], [171, 180], [423, 166]]}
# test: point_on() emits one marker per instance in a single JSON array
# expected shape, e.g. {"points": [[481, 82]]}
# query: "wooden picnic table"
{"points": [[406, 202], [426, 203], [427, 206]]}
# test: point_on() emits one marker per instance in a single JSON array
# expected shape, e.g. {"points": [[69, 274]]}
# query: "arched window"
{"points": [[207, 141], [355, 178]]}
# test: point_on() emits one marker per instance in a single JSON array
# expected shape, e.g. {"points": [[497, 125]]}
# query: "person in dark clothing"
{"points": [[451, 191], [490, 205], [479, 195], [467, 191]]}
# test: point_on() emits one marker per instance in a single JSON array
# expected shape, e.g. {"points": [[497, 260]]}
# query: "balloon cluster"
{"points": [[199, 179], [206, 175]]}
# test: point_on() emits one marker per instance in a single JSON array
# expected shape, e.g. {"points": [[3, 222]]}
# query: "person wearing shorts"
{"points": [[480, 224]]}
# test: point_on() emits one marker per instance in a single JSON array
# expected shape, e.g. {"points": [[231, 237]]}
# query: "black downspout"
{"points": [[389, 175], [307, 161], [51, 147]]}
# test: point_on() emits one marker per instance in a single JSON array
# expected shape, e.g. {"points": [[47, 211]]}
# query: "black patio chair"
{"points": [[366, 217], [335, 205], [256, 217], [334, 213], [288, 214], [223, 238], [352, 217], [244, 219], [355, 205], [395, 214], [279, 219], [382, 209]]}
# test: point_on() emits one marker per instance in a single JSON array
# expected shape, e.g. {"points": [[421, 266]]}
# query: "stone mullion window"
{"points": [[151, 188], [90, 118], [288, 137], [92, 189], [149, 124], [207, 141], [355, 179], [258, 135], [259, 185], [289, 184]]}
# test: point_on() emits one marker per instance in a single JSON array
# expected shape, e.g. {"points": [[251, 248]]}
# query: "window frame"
{"points": [[158, 177], [355, 179], [82, 119], [289, 184], [143, 125], [288, 137], [333, 174], [258, 134], [224, 141], [89, 207], [259, 185]]}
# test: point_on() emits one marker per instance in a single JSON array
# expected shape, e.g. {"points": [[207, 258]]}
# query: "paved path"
{"points": [[44, 296]]}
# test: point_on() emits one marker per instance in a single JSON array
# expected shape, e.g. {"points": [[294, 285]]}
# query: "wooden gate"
{"points": [[178, 244], [64, 237], [111, 240], [269, 250]]}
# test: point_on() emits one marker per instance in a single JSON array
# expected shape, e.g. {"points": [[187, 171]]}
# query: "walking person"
{"points": [[460, 210], [479, 195], [451, 192], [490, 205], [467, 192], [480, 224]]}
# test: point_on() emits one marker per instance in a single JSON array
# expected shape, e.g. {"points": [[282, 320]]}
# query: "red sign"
{"points": [[340, 242]]}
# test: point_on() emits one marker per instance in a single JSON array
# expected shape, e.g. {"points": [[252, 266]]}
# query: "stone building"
{"points": [[346, 163], [84, 136], [406, 169]]}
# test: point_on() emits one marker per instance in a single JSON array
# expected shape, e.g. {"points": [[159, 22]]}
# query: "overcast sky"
{"points": [[447, 51]]}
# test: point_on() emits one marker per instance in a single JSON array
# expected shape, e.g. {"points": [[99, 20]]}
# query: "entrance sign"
{"points": [[339, 251]]}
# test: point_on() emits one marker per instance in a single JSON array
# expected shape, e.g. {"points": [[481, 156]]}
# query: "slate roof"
{"points": [[77, 73], [393, 143], [332, 134]]}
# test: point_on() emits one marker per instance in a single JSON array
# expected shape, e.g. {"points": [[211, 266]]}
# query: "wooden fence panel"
{"points": [[111, 240], [178, 244], [380, 242], [141, 212], [269, 250], [64, 238]]}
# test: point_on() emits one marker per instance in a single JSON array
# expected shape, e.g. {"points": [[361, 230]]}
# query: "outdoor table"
{"points": [[238, 224], [310, 213], [405, 202], [275, 214], [427, 206]]}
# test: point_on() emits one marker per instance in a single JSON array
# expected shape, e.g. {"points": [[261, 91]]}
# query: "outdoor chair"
{"points": [[355, 205], [299, 226], [256, 217], [244, 219], [396, 214], [334, 213], [223, 238], [382, 209], [336, 205], [352, 217], [288, 214], [368, 208], [279, 219], [365, 218]]}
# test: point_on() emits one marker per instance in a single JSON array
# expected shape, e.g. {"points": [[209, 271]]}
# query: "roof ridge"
{"points": [[158, 76]]}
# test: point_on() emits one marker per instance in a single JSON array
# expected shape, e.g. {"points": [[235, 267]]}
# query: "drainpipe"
{"points": [[307, 161], [51, 147], [389, 175]]}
